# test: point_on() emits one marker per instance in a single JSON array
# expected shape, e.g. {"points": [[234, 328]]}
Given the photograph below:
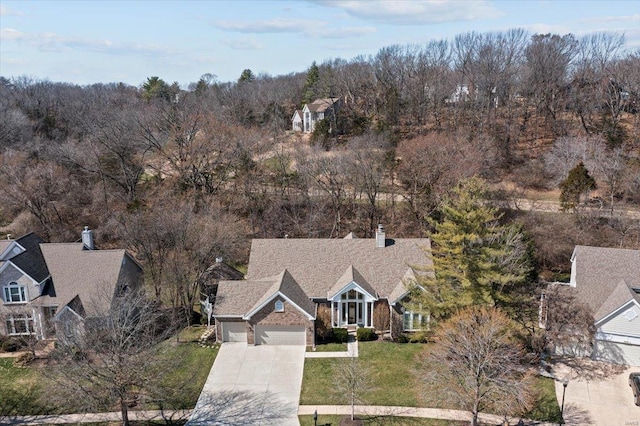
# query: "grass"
{"points": [[22, 394], [329, 347], [192, 333], [546, 407], [20, 390], [394, 381], [331, 420]]}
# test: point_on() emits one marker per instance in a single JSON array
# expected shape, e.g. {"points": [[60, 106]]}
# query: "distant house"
{"points": [[357, 282], [607, 280], [50, 289], [314, 112], [214, 274], [297, 121]]}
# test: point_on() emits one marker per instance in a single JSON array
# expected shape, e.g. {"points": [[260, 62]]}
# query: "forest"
{"points": [[184, 176]]}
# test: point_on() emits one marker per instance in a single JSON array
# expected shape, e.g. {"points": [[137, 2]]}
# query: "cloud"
{"points": [[277, 25], [243, 44], [5, 11], [51, 42], [306, 27], [416, 11]]}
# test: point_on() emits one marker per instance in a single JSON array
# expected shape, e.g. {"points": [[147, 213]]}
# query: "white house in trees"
{"points": [[313, 112]]}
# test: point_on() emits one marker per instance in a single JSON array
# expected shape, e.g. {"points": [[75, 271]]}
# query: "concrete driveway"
{"points": [[598, 394], [252, 385]]}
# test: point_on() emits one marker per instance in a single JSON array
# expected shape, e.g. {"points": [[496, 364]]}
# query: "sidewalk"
{"points": [[431, 413], [93, 417]]}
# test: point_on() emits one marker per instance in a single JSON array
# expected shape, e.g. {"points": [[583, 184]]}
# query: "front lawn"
{"points": [[394, 381], [22, 391], [329, 347]]}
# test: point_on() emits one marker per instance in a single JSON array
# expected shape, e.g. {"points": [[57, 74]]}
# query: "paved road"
{"points": [[252, 385]]}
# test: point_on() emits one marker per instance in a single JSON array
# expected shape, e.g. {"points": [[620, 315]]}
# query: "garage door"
{"points": [[618, 353], [280, 335], [234, 332]]}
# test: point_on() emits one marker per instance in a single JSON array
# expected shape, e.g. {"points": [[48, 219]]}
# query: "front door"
{"points": [[352, 312]]}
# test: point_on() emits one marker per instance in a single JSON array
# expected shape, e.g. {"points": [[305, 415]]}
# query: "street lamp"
{"points": [[315, 418], [565, 382]]}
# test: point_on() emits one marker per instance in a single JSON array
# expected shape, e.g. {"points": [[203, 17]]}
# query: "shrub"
{"points": [[10, 345], [340, 335], [419, 337], [402, 338], [365, 334]]}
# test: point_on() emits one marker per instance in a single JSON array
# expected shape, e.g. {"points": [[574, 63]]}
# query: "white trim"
{"points": [[572, 280], [12, 317], [352, 285], [33, 282], [273, 296], [617, 338], [9, 249], [279, 306], [617, 311], [66, 307], [228, 316], [405, 294]]}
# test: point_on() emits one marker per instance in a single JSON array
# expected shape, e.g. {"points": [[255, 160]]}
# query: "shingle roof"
{"points": [[318, 264], [602, 275], [351, 274], [83, 273], [31, 260], [321, 105], [244, 297]]}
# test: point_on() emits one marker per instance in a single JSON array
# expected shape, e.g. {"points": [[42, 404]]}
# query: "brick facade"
{"points": [[290, 316]]}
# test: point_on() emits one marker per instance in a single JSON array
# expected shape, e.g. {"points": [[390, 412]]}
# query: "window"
{"points": [[14, 293], [279, 306], [412, 321], [20, 324]]}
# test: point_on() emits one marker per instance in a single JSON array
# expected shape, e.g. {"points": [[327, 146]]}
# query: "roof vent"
{"points": [[380, 238], [87, 239]]}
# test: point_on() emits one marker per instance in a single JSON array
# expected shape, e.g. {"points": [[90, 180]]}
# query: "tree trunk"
{"points": [[124, 411]]}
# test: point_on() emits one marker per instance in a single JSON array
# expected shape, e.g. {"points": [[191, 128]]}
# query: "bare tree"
{"points": [[352, 378], [475, 364], [108, 361], [568, 324]]}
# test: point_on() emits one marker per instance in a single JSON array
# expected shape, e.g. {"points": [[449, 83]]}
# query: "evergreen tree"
{"points": [[476, 260], [247, 76], [577, 183], [310, 89]]}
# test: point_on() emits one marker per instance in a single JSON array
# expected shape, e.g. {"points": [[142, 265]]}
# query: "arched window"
{"points": [[279, 306]]}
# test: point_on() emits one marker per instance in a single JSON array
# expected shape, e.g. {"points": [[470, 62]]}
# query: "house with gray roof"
{"points": [[357, 282], [50, 289], [607, 280], [315, 111]]}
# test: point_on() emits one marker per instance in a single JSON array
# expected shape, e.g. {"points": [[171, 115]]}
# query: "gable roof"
{"points": [[319, 264], [286, 286], [605, 277], [297, 114], [321, 105], [351, 275], [81, 273], [31, 261]]}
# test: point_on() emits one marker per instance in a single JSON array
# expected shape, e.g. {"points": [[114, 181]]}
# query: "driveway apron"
{"points": [[252, 385]]}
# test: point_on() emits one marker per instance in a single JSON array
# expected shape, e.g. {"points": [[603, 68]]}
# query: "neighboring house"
{"points": [[608, 281], [214, 274], [318, 110], [360, 282], [50, 289], [297, 121]]}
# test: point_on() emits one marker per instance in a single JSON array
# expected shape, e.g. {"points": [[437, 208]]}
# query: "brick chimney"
{"points": [[380, 239], [87, 239]]}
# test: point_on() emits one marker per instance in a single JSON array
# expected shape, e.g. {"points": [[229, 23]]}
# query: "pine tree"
{"points": [[476, 260], [310, 89], [577, 183]]}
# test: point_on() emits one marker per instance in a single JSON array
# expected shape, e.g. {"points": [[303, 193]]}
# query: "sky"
{"points": [[92, 41]]}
